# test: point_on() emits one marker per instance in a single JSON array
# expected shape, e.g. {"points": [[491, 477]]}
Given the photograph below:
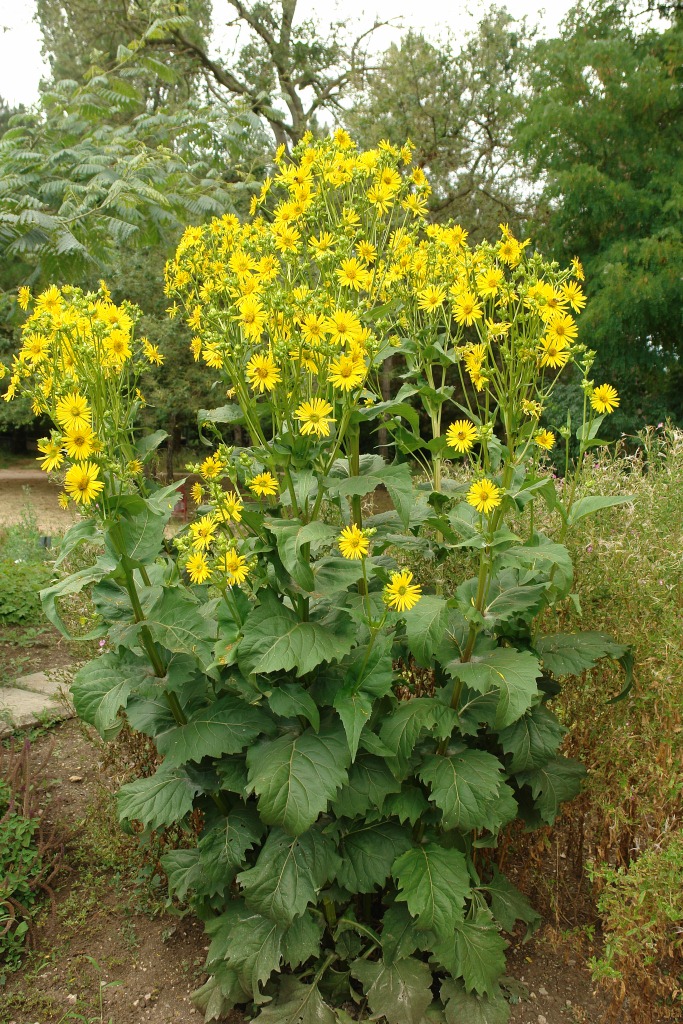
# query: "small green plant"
{"points": [[23, 568]]}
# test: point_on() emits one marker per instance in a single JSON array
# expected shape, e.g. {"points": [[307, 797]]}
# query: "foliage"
{"points": [[603, 127], [23, 570], [332, 827]]}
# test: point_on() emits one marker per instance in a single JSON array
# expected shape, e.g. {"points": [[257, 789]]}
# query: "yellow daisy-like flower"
{"points": [[82, 484], [466, 309], [252, 316], [402, 594], [545, 439], [50, 301], [382, 197], [431, 298], [203, 532], [574, 296], [117, 347], [73, 412], [315, 417], [554, 352], [24, 297], [352, 274], [604, 398], [36, 348], [234, 566], [53, 456], [461, 435], [210, 468], [197, 493], [562, 328], [79, 444], [231, 506], [346, 373], [353, 543], [489, 282], [63, 500], [323, 245], [313, 328], [152, 352], [135, 467], [367, 251], [484, 496], [264, 485], [342, 327], [262, 372], [198, 568], [577, 269]]}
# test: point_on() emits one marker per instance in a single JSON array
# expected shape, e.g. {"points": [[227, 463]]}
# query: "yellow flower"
{"points": [[231, 506], [80, 443], [135, 467], [461, 435], [24, 297], [117, 347], [36, 348], [82, 484], [431, 298], [203, 532], [198, 568], [382, 197], [466, 309], [321, 246], [252, 316], [315, 417], [353, 543], [489, 281], [52, 454], [234, 566], [63, 500], [366, 251], [402, 594], [562, 328], [262, 372], [313, 328], [577, 269], [555, 352], [347, 372], [73, 412], [50, 301], [352, 274], [197, 493], [604, 398], [545, 439], [484, 496], [574, 296], [343, 326], [417, 205], [152, 352], [263, 484], [210, 468]]}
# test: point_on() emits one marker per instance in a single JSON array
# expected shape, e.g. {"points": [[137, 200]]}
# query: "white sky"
{"points": [[21, 64]]}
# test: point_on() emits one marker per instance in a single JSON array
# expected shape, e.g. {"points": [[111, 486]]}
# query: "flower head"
{"points": [[234, 566], [203, 532], [81, 482], [198, 567], [347, 372], [545, 439], [262, 372], [73, 412], [353, 543], [402, 594], [80, 443], [315, 417], [604, 398], [484, 495], [263, 484], [461, 435], [52, 454]]}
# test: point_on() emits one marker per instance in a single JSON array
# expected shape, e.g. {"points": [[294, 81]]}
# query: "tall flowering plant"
{"points": [[341, 742]]}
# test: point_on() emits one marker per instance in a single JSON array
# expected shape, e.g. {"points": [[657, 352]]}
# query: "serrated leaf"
{"points": [[219, 994], [275, 639], [296, 777], [400, 937], [566, 654], [182, 871], [434, 883], [354, 709], [176, 623], [475, 953], [425, 627], [532, 740], [162, 799], [463, 786], [249, 944], [370, 782], [408, 805], [558, 780], [367, 854], [223, 849], [508, 905], [296, 1003], [290, 699], [224, 727], [401, 730], [400, 992], [102, 687], [302, 940], [463, 1007], [512, 673], [288, 874]]}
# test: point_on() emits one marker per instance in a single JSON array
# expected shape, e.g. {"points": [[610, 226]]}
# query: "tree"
{"points": [[459, 106], [604, 130]]}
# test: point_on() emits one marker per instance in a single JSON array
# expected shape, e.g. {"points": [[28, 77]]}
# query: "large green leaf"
{"points": [[296, 1003], [508, 905], [248, 942], [400, 937], [141, 535], [288, 874], [275, 639], [296, 777], [73, 584], [291, 536], [463, 786], [302, 939], [224, 727], [223, 849], [396, 479], [434, 883], [566, 654], [425, 627], [476, 953], [102, 687], [176, 623], [370, 782], [512, 673], [463, 1007], [368, 852], [220, 993], [558, 780], [354, 709], [400, 992], [182, 871], [162, 799], [553, 560], [588, 506], [400, 730], [532, 740], [290, 700]]}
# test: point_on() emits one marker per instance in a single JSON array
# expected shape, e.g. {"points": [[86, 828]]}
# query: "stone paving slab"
{"points": [[29, 702]]}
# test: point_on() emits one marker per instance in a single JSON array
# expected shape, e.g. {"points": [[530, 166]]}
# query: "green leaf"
{"points": [[296, 777], [476, 953], [425, 627], [367, 854], [182, 871], [463, 1007], [249, 943], [140, 536], [162, 799], [291, 536], [400, 992], [150, 442], [566, 654], [289, 700], [553, 560], [176, 623], [512, 673], [587, 506], [335, 575], [401, 730], [72, 585], [275, 640], [102, 687], [400, 937], [370, 782], [463, 786], [223, 849], [408, 805], [558, 780], [354, 709], [302, 940], [288, 874], [224, 727], [82, 530], [532, 740], [219, 994], [296, 1003], [508, 905], [434, 883]]}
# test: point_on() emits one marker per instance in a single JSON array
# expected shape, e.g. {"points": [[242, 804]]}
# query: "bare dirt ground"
{"points": [[19, 486]]}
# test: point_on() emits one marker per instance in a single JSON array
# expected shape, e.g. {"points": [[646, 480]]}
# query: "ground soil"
{"points": [[107, 925], [19, 486]]}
